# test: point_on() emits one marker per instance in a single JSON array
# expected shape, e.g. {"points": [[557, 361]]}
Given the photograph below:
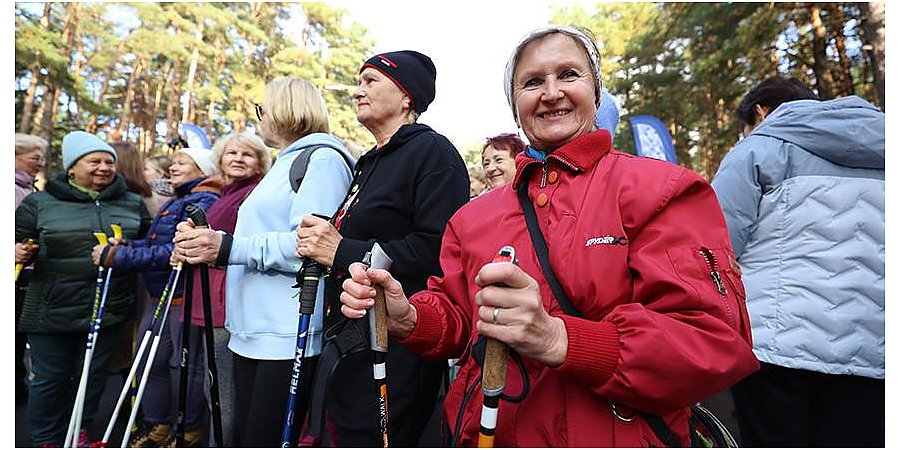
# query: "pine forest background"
{"points": [[134, 71]]}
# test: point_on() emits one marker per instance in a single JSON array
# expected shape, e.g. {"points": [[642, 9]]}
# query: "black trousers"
{"points": [[261, 395], [352, 402], [20, 371], [783, 407]]}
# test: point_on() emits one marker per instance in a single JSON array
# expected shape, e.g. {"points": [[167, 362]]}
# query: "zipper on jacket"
{"points": [[713, 270], [99, 216], [544, 175]]}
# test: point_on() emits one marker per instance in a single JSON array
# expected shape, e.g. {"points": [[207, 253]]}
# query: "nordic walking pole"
{"points": [[378, 338], [198, 216], [100, 292], [187, 306], [150, 357], [308, 282], [20, 266], [139, 355], [493, 379]]}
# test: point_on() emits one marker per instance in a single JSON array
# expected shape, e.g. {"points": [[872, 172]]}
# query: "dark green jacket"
{"points": [[62, 219]]}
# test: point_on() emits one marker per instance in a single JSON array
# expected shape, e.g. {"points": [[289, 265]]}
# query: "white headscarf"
{"points": [[580, 35]]}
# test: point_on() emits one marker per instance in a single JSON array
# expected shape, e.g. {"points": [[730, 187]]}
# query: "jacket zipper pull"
{"points": [[717, 279], [713, 272], [544, 176]]}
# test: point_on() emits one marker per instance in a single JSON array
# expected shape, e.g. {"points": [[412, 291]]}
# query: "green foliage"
{"points": [[689, 64], [129, 71]]}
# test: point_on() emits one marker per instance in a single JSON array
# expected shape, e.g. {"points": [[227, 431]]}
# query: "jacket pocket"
{"points": [[708, 273]]}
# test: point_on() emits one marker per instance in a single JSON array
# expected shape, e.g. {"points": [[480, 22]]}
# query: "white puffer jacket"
{"points": [[803, 196]]}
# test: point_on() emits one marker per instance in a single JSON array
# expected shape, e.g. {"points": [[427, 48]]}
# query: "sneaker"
{"points": [[83, 441], [191, 439], [150, 436]]}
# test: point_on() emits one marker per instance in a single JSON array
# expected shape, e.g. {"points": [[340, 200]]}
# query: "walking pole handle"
{"points": [[308, 280], [378, 333], [20, 266], [101, 238], [117, 231], [496, 352], [197, 215]]}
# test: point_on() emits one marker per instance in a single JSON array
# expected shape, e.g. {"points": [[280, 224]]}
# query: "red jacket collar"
{"points": [[577, 155]]}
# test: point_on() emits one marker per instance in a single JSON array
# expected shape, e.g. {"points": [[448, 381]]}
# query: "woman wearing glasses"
{"points": [[261, 310], [30, 160]]}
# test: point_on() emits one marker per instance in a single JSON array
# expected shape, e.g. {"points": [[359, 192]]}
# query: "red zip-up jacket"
{"points": [[634, 242]]}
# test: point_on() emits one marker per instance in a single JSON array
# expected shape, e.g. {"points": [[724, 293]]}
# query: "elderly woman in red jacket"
{"points": [[657, 319]]}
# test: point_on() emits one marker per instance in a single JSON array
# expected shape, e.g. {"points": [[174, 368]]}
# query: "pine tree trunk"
{"points": [[824, 82], [150, 127], [49, 112], [91, 126], [28, 103], [873, 29], [844, 77], [186, 110], [172, 102], [69, 29], [125, 115]]}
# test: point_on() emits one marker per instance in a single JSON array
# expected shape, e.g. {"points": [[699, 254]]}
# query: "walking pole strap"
{"points": [[543, 253]]}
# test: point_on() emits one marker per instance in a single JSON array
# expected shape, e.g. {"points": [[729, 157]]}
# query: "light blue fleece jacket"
{"points": [[262, 309]]}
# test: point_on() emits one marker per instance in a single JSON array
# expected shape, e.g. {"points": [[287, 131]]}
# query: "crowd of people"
{"points": [[632, 289]]}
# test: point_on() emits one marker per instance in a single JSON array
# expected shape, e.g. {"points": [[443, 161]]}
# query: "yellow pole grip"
{"points": [[20, 266], [117, 231], [101, 238]]}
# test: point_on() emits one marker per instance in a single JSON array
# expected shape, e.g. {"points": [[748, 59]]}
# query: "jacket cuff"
{"points": [[224, 250], [108, 256], [427, 330], [348, 252], [593, 351]]}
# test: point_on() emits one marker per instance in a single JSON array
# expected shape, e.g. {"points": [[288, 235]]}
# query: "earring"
{"points": [[71, 175]]}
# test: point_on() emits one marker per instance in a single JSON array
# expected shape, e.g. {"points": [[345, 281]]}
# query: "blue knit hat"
{"points": [[607, 117], [79, 143]]}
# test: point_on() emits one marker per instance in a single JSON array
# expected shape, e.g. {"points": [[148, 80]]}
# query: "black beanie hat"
{"points": [[411, 71]]}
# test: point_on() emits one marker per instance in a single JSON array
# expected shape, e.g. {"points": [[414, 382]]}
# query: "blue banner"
{"points": [[652, 138], [195, 136]]}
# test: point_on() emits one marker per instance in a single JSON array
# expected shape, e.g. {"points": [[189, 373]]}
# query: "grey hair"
{"points": [[581, 36]]}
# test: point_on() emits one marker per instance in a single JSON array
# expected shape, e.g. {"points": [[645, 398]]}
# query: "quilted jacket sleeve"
{"points": [[142, 255], [739, 192]]}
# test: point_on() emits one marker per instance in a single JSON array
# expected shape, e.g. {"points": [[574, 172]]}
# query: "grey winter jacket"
{"points": [[803, 196]]}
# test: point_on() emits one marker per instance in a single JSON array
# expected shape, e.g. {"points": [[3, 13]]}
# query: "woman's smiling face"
{"points": [[499, 166], [553, 91]]}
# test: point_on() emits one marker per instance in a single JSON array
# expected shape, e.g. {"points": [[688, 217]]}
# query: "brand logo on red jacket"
{"points": [[606, 240]]}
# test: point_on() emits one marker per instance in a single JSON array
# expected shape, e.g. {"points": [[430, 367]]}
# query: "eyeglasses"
{"points": [[259, 111]]}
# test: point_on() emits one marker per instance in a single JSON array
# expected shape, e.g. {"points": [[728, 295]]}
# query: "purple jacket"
{"points": [[24, 186], [222, 215]]}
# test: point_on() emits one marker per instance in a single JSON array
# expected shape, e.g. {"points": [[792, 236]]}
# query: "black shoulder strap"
{"points": [[543, 254], [301, 162], [662, 431]]}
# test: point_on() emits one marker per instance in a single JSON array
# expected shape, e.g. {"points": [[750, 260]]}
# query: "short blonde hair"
{"points": [[296, 108], [27, 143], [247, 140]]}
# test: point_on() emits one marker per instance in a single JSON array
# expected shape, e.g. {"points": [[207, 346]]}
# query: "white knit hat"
{"points": [[202, 157]]}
